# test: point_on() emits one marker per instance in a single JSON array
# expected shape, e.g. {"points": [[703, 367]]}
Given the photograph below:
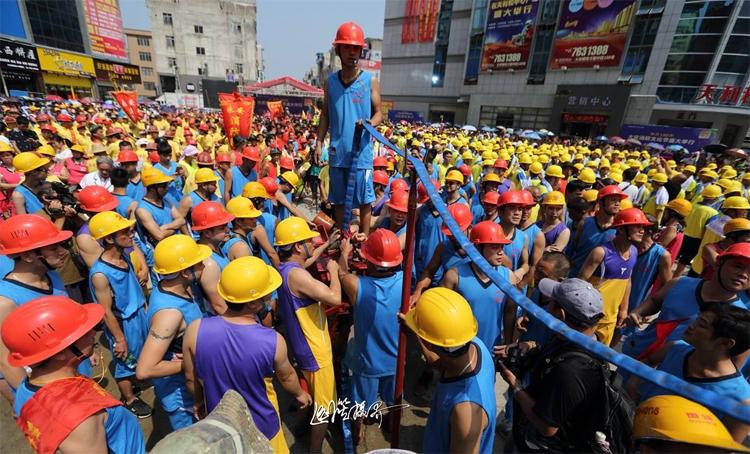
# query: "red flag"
{"points": [[237, 112], [128, 101], [276, 108]]}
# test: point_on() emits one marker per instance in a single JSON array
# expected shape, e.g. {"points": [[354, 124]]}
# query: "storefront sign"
{"points": [[18, 56], [105, 28], [117, 72], [591, 33], [693, 139], [728, 95], [411, 116], [507, 38], [584, 118], [65, 62]]}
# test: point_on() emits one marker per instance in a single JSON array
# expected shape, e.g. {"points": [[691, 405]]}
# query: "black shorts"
{"points": [[689, 250]]}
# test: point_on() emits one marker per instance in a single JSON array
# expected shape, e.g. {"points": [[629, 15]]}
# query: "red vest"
{"points": [[58, 408]]}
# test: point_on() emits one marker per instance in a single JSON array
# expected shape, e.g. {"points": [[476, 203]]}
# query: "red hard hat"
{"points": [[465, 170], [630, 216], [127, 156], [42, 117], [26, 232], [399, 185], [64, 117], [741, 250], [488, 232], [81, 118], [97, 199], [270, 184], [350, 33], [45, 326], [492, 197], [382, 248], [203, 127], [223, 157], [187, 132], [380, 161], [251, 153], [399, 201], [380, 177], [611, 190], [512, 196], [153, 157], [422, 195], [501, 164], [461, 214], [191, 141], [286, 163], [204, 158], [48, 128], [528, 199], [209, 214]]}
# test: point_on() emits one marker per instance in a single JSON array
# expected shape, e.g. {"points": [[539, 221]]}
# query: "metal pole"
{"points": [[411, 222], [2, 78]]}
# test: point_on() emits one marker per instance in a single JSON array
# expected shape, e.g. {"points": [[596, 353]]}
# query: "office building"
{"points": [[142, 53]]}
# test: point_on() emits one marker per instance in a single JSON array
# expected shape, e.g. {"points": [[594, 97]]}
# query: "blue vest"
{"points": [[136, 191], [220, 183], [171, 390], [487, 302], [531, 233], [514, 249], [220, 258], [582, 244], [175, 187], [21, 293], [644, 274], [121, 429], [283, 212], [162, 216], [375, 325], [127, 294], [123, 203], [347, 105], [31, 202], [449, 258], [478, 388], [477, 210], [268, 221], [239, 180], [227, 245], [428, 235]]}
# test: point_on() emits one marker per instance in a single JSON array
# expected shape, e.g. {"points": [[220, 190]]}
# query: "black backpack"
{"points": [[617, 411]]}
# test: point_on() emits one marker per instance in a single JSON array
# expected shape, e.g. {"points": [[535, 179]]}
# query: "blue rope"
{"points": [[713, 400]]}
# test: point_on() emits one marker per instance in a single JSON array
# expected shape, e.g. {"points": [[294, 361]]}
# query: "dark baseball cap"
{"points": [[578, 298]]}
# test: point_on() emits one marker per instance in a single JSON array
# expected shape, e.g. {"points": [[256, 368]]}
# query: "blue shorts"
{"points": [[364, 193], [181, 418], [135, 329], [366, 389]]}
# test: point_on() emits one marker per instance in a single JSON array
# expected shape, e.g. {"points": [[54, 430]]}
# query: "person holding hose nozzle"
{"points": [[346, 95]]}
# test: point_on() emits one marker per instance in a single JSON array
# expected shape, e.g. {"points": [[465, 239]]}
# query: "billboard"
{"points": [[122, 73], [507, 38], [411, 116], [371, 61], [58, 61], [11, 23], [18, 56], [591, 33], [693, 139], [105, 28]]}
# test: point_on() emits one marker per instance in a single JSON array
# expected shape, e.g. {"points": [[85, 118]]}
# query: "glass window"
{"points": [[479, 16], [720, 8], [676, 94], [688, 62], [438, 67], [734, 64], [149, 86], [444, 21], [167, 18], [170, 40], [144, 56], [742, 25], [688, 26], [143, 41], [172, 62], [722, 79], [54, 23], [682, 78], [549, 12], [474, 60], [200, 51], [695, 43], [146, 71], [239, 68], [738, 44], [198, 28]]}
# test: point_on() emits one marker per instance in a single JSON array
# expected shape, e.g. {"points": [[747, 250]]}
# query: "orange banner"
{"points": [[128, 101], [276, 108], [237, 112]]}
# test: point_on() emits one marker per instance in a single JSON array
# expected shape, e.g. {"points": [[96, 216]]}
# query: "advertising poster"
{"points": [[105, 28], [11, 23], [371, 61], [591, 32], [117, 72], [693, 139], [18, 56], [410, 116], [510, 29]]}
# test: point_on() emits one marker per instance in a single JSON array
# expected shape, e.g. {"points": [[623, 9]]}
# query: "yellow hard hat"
{"points": [[587, 176], [524, 159], [659, 177], [106, 223], [46, 150], [467, 156], [734, 186], [4, 147], [242, 207], [729, 173], [488, 162], [555, 171], [455, 175], [247, 279], [679, 206], [293, 230], [177, 253], [689, 168], [442, 317], [291, 178], [725, 183], [554, 198], [486, 155], [676, 419], [254, 190], [578, 166], [651, 172], [604, 164], [746, 176], [616, 176], [735, 203], [28, 161], [536, 168], [711, 191], [737, 225], [590, 195], [625, 204], [712, 166], [543, 158], [493, 177], [151, 176], [710, 174], [205, 175]]}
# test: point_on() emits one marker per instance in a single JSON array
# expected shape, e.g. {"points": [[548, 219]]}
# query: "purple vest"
{"points": [[238, 357]]}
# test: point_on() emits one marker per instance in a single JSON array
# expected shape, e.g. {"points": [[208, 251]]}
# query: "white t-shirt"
{"points": [[94, 179], [662, 196], [629, 189]]}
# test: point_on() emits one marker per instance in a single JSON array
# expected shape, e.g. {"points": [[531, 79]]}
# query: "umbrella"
{"points": [[436, 125], [634, 142], [488, 129], [601, 139], [617, 140], [531, 135], [655, 146], [674, 147], [715, 148], [54, 98], [469, 128]]}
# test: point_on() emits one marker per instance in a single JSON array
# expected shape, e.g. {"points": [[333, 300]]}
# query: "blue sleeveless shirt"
{"points": [[136, 191], [582, 244], [347, 105], [487, 302], [514, 249], [428, 235], [175, 186], [127, 294], [239, 180], [644, 275], [31, 202]]}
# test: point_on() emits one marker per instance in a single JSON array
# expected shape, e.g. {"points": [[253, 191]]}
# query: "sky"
{"points": [[291, 31]]}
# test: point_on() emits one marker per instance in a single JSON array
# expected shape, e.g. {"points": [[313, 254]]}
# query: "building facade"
{"points": [[328, 62], [142, 53], [204, 39], [575, 67]]}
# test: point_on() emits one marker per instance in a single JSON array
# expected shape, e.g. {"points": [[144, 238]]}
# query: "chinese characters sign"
{"points": [[693, 139], [591, 32], [237, 112], [420, 18], [128, 101], [590, 101], [507, 39], [65, 62], [18, 56], [105, 28], [729, 95], [276, 108], [119, 72]]}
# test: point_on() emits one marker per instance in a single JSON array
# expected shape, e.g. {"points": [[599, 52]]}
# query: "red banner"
{"points": [[420, 20], [276, 108], [128, 101], [237, 112]]}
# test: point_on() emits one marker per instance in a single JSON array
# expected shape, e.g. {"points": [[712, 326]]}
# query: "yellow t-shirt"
{"points": [[695, 223]]}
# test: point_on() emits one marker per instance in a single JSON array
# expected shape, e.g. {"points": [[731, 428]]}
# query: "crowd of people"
{"points": [[207, 272]]}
